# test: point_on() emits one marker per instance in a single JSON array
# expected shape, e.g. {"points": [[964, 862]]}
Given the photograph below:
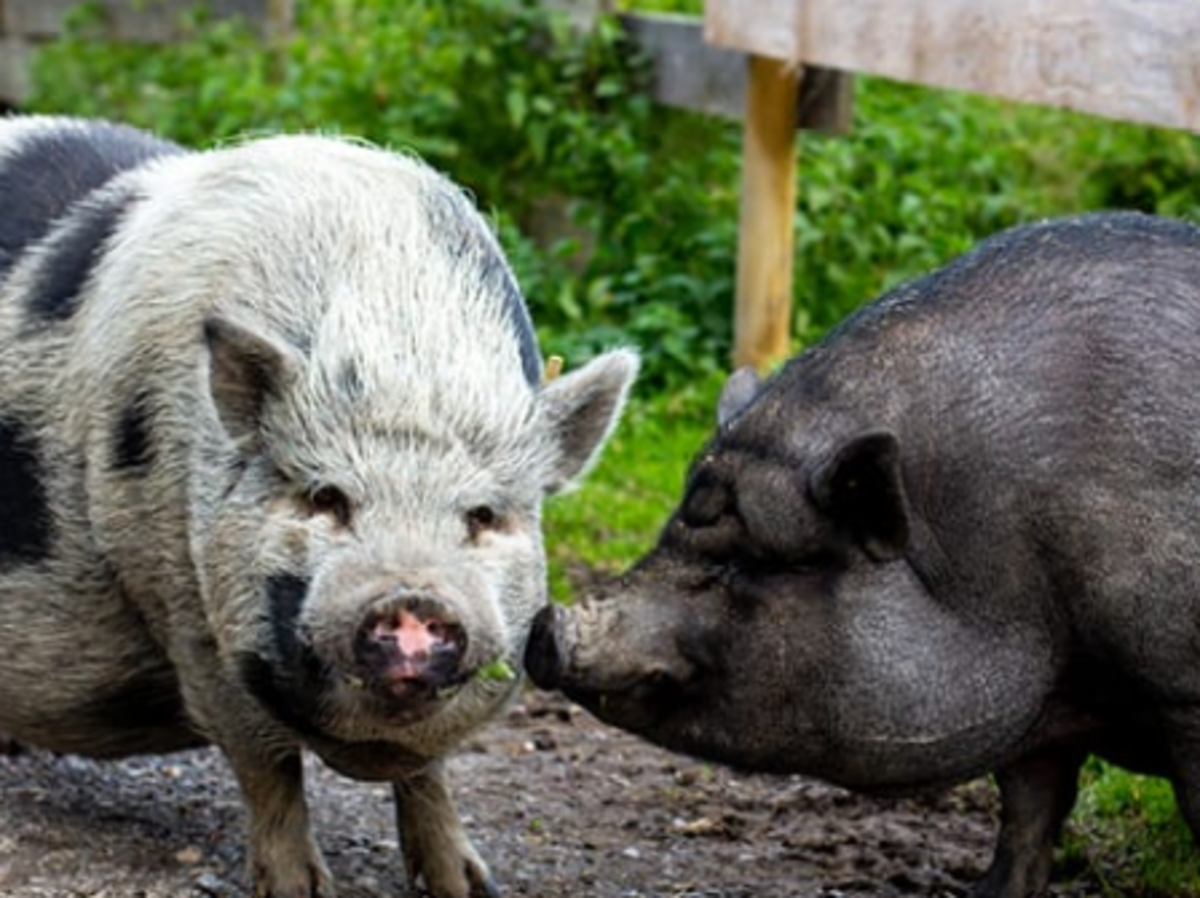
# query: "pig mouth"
{"points": [[643, 704], [401, 698], [313, 699]]}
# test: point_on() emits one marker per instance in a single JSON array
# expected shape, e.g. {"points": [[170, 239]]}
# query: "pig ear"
{"points": [[245, 369], [859, 487], [582, 408], [739, 391]]}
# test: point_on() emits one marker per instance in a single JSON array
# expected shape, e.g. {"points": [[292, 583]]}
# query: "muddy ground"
{"points": [[560, 805]]}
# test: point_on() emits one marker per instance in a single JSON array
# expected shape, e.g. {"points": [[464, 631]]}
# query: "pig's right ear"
{"points": [[582, 409], [245, 369], [860, 488]]}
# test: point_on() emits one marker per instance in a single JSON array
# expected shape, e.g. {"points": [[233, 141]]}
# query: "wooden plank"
{"points": [[765, 241], [14, 70], [1136, 60], [152, 20], [689, 73]]}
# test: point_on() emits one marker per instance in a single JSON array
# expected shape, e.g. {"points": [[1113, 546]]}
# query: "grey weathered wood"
{"points": [[1136, 60], [146, 20], [690, 73], [826, 100], [14, 70]]}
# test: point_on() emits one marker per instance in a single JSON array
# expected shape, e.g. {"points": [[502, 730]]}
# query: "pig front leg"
{"points": [[1036, 795], [435, 845], [284, 859]]}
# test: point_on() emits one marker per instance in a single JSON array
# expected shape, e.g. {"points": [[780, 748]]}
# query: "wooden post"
{"points": [[762, 319]]}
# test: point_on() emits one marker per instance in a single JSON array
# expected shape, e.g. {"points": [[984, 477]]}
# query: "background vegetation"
{"points": [[620, 219]]}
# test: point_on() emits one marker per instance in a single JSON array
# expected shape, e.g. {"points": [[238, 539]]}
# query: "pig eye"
{"points": [[706, 505], [329, 500], [482, 518]]}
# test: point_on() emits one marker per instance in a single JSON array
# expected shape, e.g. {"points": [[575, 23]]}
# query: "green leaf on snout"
{"points": [[499, 671]]}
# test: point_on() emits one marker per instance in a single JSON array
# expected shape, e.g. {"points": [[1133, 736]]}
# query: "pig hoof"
{"points": [[482, 884], [316, 883], [10, 747], [474, 881], [456, 872]]}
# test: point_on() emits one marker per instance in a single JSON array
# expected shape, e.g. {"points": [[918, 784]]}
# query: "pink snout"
{"points": [[410, 646]]}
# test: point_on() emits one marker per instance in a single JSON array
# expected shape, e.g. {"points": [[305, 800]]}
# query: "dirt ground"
{"points": [[558, 803]]}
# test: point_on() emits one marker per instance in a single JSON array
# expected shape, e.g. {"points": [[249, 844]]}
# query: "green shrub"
{"points": [[1128, 833]]}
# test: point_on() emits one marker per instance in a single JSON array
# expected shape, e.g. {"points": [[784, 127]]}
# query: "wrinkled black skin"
{"points": [[960, 535]]}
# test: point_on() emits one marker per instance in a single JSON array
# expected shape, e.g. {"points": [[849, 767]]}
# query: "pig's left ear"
{"points": [[859, 487], [582, 408]]}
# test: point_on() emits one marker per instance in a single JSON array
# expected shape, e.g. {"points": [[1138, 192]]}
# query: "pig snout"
{"points": [[410, 645], [611, 664], [543, 652]]}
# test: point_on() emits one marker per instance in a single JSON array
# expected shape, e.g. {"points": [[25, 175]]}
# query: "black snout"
{"points": [[410, 643], [543, 659]]}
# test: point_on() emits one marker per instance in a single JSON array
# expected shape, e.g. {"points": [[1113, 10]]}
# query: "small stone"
{"points": [[209, 883]]}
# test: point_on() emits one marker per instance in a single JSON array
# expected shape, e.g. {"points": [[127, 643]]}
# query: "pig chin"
{"points": [[319, 701]]}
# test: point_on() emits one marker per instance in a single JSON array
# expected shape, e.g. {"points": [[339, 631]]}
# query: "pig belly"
{"points": [[80, 674]]}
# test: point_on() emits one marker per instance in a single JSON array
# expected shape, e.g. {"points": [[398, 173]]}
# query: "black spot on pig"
{"points": [[287, 678], [497, 276], [71, 256], [151, 705], [279, 696], [350, 381], [133, 443], [286, 593], [26, 531], [52, 170], [450, 215]]}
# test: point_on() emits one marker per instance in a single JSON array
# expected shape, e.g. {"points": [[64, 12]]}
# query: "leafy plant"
{"points": [[1127, 831]]}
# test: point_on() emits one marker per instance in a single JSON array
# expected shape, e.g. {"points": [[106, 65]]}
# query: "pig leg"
{"points": [[284, 860], [435, 846], [1183, 737], [1036, 795]]}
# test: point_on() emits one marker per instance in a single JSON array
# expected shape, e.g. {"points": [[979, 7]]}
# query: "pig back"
{"points": [[1044, 388]]}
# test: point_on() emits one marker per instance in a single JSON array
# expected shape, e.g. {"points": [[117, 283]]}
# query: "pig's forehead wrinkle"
{"points": [[387, 230]]}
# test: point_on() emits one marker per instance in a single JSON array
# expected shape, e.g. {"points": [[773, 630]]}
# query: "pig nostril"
{"points": [[409, 641], [543, 658]]}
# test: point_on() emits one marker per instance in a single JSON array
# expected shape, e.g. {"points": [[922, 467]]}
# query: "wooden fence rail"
{"points": [[1137, 60], [26, 23]]}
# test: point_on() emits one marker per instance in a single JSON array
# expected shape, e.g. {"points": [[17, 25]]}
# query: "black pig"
{"points": [[960, 535]]}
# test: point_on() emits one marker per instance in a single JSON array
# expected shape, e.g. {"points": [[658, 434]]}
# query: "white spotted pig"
{"points": [[273, 446]]}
